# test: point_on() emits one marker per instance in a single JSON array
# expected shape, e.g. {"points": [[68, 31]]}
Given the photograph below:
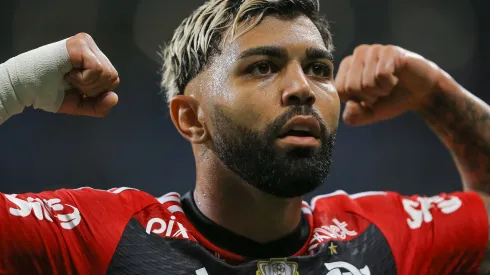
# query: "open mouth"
{"points": [[297, 133]]}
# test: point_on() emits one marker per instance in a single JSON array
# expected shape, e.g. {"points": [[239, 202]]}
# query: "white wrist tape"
{"points": [[34, 78]]}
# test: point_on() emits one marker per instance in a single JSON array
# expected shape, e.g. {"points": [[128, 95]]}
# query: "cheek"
{"points": [[250, 115], [252, 106], [328, 104]]}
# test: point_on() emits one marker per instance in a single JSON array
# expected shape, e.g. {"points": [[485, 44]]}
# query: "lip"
{"points": [[308, 122]]}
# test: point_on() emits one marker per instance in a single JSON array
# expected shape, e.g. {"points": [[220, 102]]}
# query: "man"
{"points": [[250, 85]]}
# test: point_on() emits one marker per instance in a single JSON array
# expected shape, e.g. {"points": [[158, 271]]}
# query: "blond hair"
{"points": [[202, 35]]}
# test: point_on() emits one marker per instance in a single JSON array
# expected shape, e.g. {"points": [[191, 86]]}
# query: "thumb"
{"points": [[76, 104]]}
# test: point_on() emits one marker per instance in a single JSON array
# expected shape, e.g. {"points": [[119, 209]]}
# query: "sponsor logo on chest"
{"points": [[281, 266], [170, 228], [335, 231]]}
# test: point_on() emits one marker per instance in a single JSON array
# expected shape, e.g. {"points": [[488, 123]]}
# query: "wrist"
{"points": [[443, 86], [37, 76]]}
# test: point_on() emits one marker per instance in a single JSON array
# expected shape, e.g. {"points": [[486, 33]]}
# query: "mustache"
{"points": [[276, 125]]}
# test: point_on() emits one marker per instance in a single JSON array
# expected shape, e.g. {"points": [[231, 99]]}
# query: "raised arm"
{"points": [[380, 82], [71, 76], [462, 122]]}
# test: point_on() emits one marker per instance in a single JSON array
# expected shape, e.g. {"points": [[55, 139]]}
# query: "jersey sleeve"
{"points": [[443, 234], [64, 231]]}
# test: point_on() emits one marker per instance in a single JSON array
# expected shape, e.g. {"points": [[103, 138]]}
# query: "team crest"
{"points": [[277, 267]]}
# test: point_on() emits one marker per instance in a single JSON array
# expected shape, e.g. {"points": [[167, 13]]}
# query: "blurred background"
{"points": [[137, 144]]}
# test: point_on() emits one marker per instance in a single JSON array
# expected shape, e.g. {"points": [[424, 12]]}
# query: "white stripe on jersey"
{"points": [[342, 192]]}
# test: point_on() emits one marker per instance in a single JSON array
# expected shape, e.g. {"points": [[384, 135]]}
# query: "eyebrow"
{"points": [[272, 51], [316, 53], [279, 52]]}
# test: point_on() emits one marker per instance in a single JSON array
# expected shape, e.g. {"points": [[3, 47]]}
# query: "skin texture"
{"points": [[93, 79], [376, 82], [253, 100]]}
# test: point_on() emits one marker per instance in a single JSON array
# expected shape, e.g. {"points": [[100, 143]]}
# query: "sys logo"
{"points": [[45, 209], [419, 210]]}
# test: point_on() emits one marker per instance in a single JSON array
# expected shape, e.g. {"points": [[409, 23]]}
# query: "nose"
{"points": [[297, 90]]}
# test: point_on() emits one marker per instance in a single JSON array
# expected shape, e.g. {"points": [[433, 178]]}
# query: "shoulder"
{"points": [[363, 204], [78, 205], [127, 197], [80, 227], [341, 200], [410, 224], [342, 216]]}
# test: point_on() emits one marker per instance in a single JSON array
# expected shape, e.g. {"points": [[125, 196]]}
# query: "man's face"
{"points": [[271, 107]]}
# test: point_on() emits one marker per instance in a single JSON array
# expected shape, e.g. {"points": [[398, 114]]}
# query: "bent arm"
{"points": [[34, 78], [462, 122]]}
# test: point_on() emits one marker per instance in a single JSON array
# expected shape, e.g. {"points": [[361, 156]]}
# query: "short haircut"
{"points": [[202, 35]]}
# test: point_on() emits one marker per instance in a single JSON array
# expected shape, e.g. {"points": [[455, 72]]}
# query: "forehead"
{"points": [[295, 34]]}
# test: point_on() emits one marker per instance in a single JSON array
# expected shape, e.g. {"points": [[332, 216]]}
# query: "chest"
{"points": [[142, 253]]}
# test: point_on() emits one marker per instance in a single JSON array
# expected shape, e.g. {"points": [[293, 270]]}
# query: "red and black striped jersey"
{"points": [[126, 231]]}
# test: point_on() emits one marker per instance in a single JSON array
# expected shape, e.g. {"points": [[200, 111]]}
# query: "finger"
{"points": [[385, 71], [75, 104], [384, 108], [91, 90], [110, 72], [99, 106], [353, 85], [107, 101], [352, 111], [369, 83], [116, 83], [92, 69], [84, 77], [341, 76]]}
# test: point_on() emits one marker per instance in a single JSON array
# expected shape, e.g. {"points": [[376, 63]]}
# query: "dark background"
{"points": [[137, 145]]}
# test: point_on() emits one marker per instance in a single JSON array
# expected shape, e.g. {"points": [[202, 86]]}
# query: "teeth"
{"points": [[301, 128]]}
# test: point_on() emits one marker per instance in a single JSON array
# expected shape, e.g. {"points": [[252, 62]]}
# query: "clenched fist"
{"points": [[380, 82], [93, 79]]}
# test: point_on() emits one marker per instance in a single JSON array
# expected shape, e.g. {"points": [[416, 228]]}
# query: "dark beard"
{"points": [[252, 155]]}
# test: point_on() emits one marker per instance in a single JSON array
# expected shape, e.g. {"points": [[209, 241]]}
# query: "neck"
{"points": [[232, 203]]}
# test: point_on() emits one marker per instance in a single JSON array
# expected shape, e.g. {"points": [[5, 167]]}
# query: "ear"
{"points": [[187, 116]]}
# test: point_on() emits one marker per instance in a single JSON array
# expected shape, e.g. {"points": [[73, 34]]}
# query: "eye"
{"points": [[262, 68], [318, 69]]}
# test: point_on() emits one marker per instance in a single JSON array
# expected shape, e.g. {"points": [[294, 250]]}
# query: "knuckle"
{"points": [[113, 77], [345, 63], [105, 75], [84, 36], [368, 85], [346, 60], [116, 82], [382, 74], [390, 49], [374, 49], [361, 49], [98, 68], [352, 88]]}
